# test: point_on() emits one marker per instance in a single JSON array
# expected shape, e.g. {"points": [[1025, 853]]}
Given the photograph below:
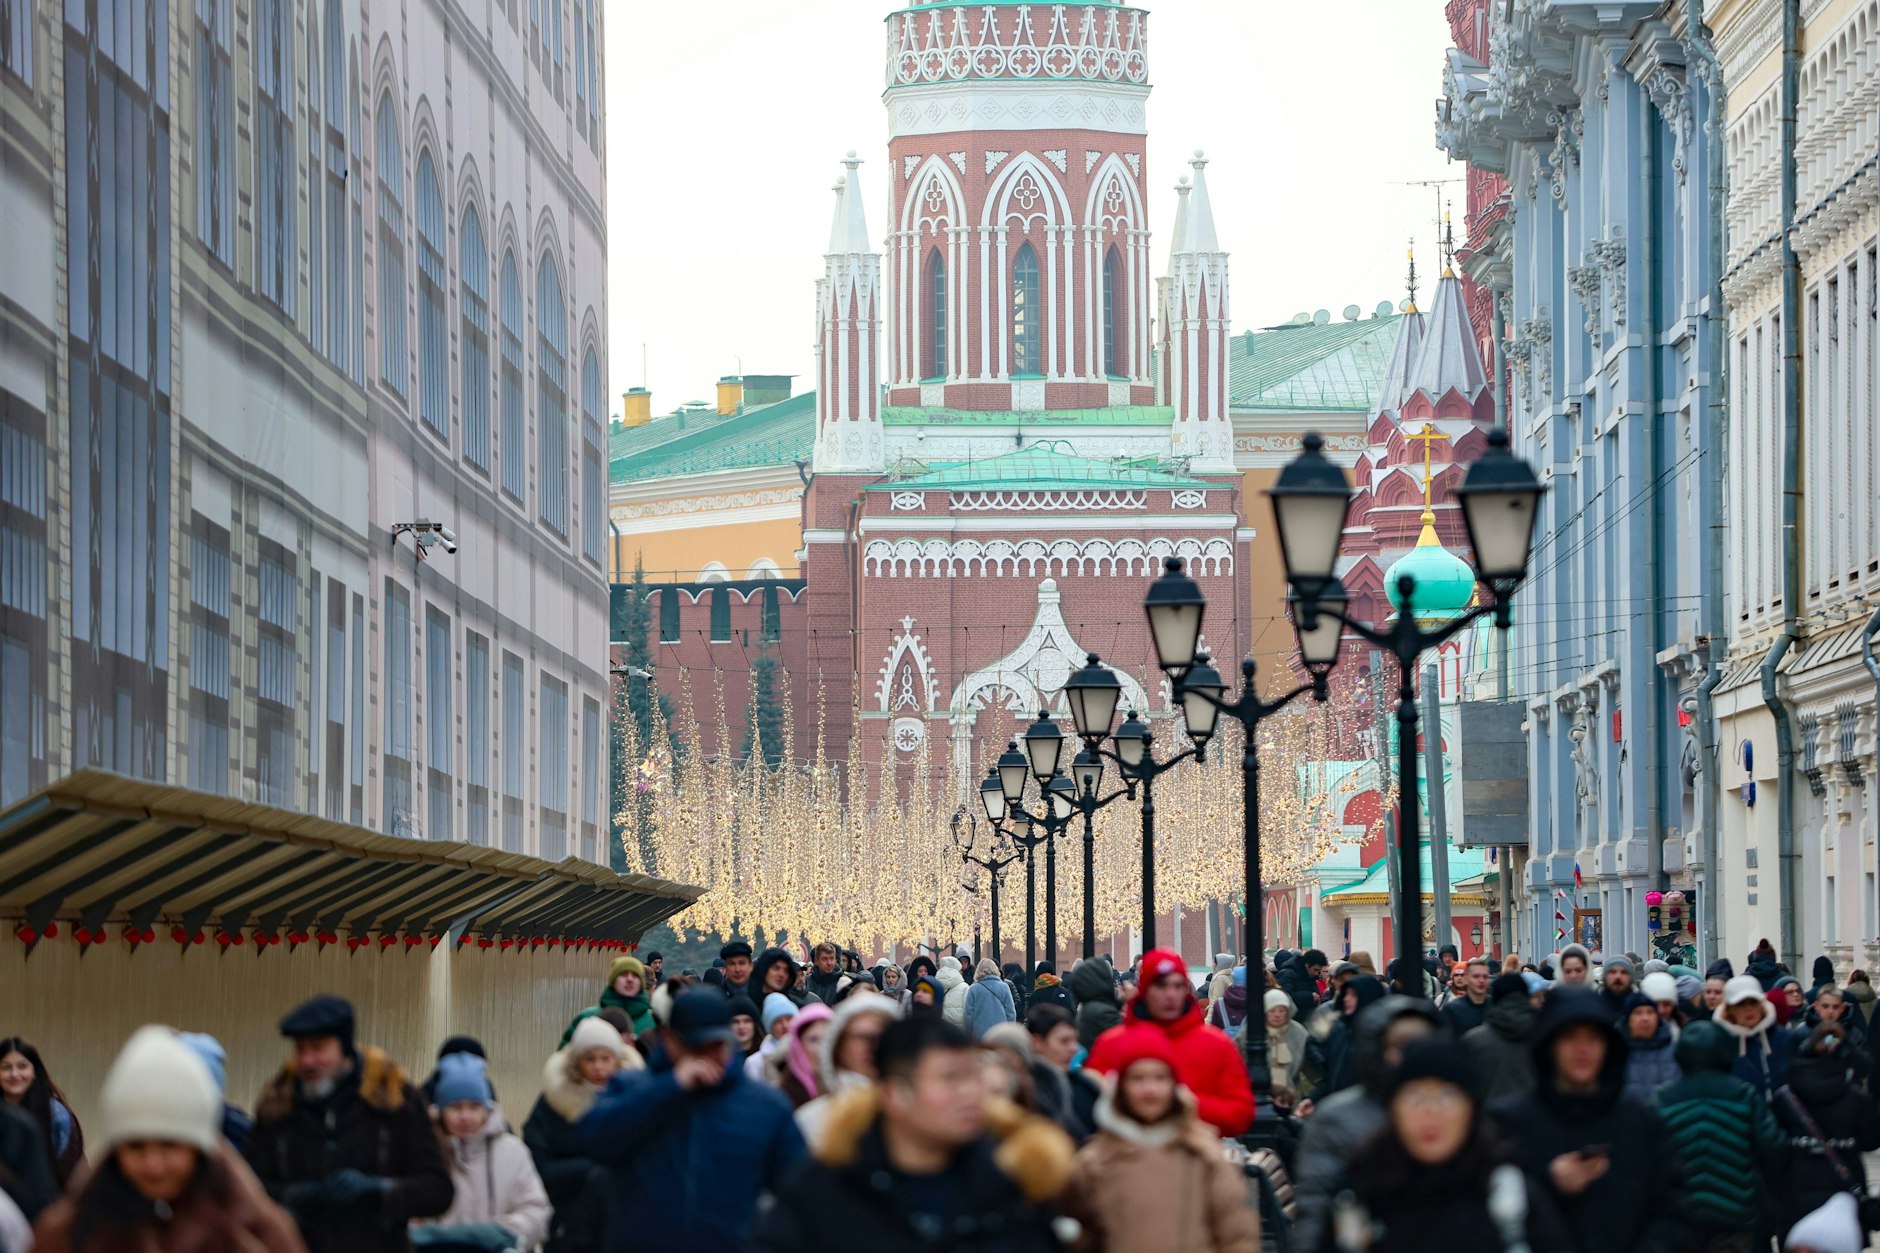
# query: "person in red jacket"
{"points": [[1207, 1062]]}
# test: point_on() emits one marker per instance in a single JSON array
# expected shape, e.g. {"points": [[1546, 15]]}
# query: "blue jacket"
{"points": [[988, 1003], [686, 1169]]}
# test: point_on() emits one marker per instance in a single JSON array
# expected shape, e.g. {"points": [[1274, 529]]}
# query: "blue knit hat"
{"points": [[463, 1077], [210, 1050]]}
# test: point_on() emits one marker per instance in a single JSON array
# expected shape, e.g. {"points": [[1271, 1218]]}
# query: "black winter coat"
{"points": [[375, 1122], [25, 1170], [1443, 1209], [1624, 1210], [1294, 981], [863, 1206], [1848, 1122], [576, 1185], [1503, 1049]]}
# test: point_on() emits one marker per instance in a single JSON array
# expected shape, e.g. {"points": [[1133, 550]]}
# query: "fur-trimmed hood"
{"points": [[1032, 1152], [382, 1085], [566, 1092], [1185, 1126]]}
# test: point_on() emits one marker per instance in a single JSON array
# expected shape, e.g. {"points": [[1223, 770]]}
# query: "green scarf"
{"points": [[637, 1008]]}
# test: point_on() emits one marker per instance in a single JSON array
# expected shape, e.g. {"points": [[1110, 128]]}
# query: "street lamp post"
{"points": [[1042, 759], [1500, 500], [1135, 755], [1175, 606], [1093, 694], [998, 855]]}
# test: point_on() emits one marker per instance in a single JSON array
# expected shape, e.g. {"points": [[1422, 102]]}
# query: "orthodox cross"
{"points": [[1428, 437]]}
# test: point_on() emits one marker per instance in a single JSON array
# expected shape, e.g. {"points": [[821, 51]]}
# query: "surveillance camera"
{"points": [[450, 544], [450, 536]]}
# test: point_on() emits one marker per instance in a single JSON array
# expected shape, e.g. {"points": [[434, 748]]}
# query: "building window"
{"points": [[277, 674], [474, 340], [936, 362], [552, 768], [551, 396], [24, 638], [437, 725], [515, 469], [275, 184], [669, 615], [433, 331], [592, 820], [208, 655], [476, 736], [334, 771], [513, 747], [396, 696], [16, 38], [214, 150], [721, 616], [770, 617], [339, 255], [358, 798], [117, 203], [1115, 320], [590, 75], [593, 462], [315, 692], [1027, 313], [393, 354]]}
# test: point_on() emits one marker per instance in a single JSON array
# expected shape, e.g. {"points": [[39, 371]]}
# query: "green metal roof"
{"points": [[1035, 469], [774, 435], [1464, 863], [1339, 366], [1117, 415]]}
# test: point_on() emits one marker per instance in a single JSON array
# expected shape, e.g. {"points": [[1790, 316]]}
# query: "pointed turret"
{"points": [[1450, 359], [1195, 332], [1400, 372], [849, 436]]}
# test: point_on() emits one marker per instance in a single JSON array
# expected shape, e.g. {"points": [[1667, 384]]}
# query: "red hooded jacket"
{"points": [[1207, 1061]]}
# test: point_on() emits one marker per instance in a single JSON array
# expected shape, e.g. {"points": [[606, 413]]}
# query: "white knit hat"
{"points": [[159, 1089], [594, 1033], [1834, 1228], [1659, 986], [1742, 988], [1276, 999]]}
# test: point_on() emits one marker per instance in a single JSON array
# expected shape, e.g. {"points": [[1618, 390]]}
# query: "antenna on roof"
{"points": [[1410, 281]]}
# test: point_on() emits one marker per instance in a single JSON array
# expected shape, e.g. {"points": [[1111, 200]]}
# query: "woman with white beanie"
{"points": [[1285, 1041], [169, 1181], [572, 1079]]}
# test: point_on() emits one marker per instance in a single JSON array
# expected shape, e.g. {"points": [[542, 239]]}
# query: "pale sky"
{"points": [[727, 120]]}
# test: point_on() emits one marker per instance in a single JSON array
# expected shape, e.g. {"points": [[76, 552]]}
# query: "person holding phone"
{"points": [[1605, 1161]]}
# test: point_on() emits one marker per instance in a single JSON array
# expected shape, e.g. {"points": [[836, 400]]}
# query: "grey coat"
{"points": [[988, 1003]]}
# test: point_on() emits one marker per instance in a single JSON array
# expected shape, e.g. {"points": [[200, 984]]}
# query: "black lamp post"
{"points": [[1175, 606], [1042, 758], [1135, 756], [1093, 694], [1500, 501], [998, 854]]}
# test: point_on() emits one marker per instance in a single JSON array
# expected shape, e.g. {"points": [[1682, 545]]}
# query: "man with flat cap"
{"points": [[344, 1141], [736, 957]]}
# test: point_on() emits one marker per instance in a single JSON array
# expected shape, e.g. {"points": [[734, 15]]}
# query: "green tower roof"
{"points": [[1445, 583]]}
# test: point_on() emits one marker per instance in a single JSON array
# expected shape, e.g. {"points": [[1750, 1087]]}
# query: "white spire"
{"points": [[1449, 359], [849, 232], [1176, 237], [1198, 220]]}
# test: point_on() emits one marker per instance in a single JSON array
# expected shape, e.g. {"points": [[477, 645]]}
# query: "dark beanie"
{"points": [[1435, 1057], [322, 1015], [1506, 986], [1823, 970], [462, 1044]]}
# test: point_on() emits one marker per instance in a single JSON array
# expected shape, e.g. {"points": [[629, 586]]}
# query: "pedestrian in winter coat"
{"points": [[26, 1085], [25, 1169], [236, 1124], [923, 1161], [952, 991], [825, 977], [893, 983], [1342, 1122], [747, 1028], [735, 957], [1298, 978], [1153, 1178], [1221, 977], [1861, 997], [1762, 1048], [1606, 1161], [169, 1182], [1340, 1067], [1229, 1013], [1830, 1123], [1469, 1008], [1286, 1041], [846, 1058], [924, 996], [1821, 975], [1021, 987], [1575, 966], [921, 965], [1208, 1063], [1048, 989], [626, 991], [1067, 1097], [1099, 1007], [571, 1081], [1651, 1059], [1730, 1150], [776, 971], [689, 1144], [988, 1001], [792, 1067], [498, 1202], [452, 1044], [1438, 1176], [1831, 1006], [343, 1139], [1763, 965], [1501, 1049]]}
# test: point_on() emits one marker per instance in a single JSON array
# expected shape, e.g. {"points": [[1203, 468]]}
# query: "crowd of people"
{"points": [[1575, 1105]]}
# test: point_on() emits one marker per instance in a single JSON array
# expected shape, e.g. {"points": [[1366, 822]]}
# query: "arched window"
{"points": [[433, 333], [935, 364], [393, 352], [515, 469], [593, 463], [473, 301], [1027, 314], [551, 396], [1115, 318]]}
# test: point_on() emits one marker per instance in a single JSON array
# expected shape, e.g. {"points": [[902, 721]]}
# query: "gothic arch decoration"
{"points": [[932, 221], [1115, 202], [1029, 678], [1030, 558], [937, 201], [1027, 191], [908, 685]]}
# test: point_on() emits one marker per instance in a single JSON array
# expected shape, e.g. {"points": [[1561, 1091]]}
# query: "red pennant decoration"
{"points": [[26, 934]]}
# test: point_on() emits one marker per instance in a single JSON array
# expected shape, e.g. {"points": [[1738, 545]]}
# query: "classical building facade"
{"points": [[1603, 254], [284, 276]]}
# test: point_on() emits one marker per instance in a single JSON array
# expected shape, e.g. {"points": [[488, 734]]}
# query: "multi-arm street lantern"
{"points": [[1044, 746], [1013, 768]]}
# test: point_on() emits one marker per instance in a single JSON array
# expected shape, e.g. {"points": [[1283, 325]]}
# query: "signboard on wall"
{"points": [[1491, 767]]}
